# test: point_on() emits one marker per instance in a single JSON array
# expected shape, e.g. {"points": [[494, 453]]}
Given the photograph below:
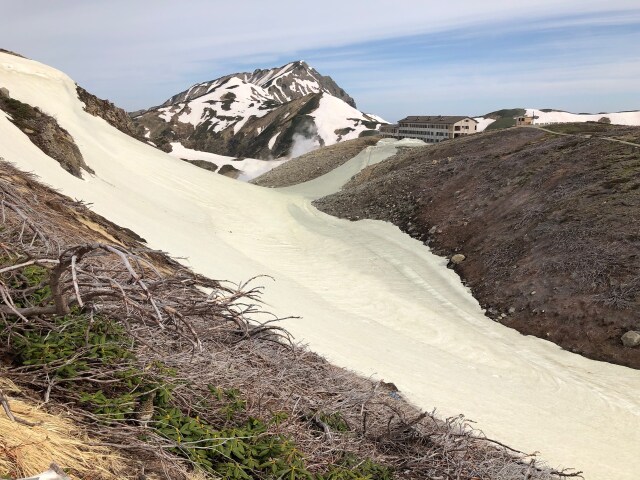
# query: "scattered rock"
{"points": [[28, 131], [458, 258], [512, 310], [533, 293], [631, 339], [4, 92], [432, 230], [229, 171], [212, 167]]}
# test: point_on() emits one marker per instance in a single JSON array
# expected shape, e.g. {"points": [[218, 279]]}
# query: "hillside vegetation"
{"points": [[548, 225]]}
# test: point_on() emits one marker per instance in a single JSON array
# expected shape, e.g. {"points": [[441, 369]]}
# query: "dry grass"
{"points": [[28, 450]]}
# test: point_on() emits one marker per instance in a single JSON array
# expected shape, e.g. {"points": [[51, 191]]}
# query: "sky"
{"points": [[396, 58]]}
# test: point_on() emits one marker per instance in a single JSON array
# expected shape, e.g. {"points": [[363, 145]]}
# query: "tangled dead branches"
{"points": [[106, 279]]}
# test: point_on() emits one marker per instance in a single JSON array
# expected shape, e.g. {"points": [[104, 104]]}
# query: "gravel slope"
{"points": [[313, 164]]}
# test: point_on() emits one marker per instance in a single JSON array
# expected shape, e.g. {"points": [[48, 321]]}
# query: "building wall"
{"points": [[464, 127], [524, 121], [434, 132]]}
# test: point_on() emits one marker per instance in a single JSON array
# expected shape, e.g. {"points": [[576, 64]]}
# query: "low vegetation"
{"points": [[504, 118]]}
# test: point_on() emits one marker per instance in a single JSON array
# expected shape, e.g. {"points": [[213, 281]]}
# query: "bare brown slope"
{"points": [[314, 164], [548, 225]]}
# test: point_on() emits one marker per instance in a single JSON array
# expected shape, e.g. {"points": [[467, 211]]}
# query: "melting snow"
{"points": [[272, 141], [330, 116], [249, 167], [483, 123], [618, 118]]}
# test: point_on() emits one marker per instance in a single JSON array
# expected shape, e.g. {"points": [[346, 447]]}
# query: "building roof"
{"points": [[447, 120]]}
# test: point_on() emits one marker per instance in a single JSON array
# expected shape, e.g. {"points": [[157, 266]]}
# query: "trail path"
{"points": [[586, 136]]}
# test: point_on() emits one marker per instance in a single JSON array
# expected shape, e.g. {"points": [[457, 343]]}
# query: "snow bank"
{"points": [[371, 298], [250, 167], [330, 116], [483, 123], [618, 118]]}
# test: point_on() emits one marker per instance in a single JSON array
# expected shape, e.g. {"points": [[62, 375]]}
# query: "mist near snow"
{"points": [[304, 140]]}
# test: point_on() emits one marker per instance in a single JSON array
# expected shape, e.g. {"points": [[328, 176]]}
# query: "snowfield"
{"points": [[546, 118], [330, 117], [483, 123], [250, 167], [618, 118], [371, 298]]}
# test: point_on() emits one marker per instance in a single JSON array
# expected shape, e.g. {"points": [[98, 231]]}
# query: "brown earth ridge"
{"points": [[549, 226]]}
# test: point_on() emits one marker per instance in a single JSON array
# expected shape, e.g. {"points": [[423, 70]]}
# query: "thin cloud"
{"points": [[139, 53]]}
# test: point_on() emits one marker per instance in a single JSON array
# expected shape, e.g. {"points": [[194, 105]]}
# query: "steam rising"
{"points": [[305, 139]]}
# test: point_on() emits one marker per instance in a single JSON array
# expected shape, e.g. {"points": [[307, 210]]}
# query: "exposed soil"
{"points": [[549, 225], [314, 164]]}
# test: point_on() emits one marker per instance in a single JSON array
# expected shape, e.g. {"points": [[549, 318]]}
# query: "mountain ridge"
{"points": [[259, 114], [269, 78]]}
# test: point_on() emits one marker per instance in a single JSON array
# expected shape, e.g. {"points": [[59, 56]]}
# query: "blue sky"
{"points": [[395, 58]]}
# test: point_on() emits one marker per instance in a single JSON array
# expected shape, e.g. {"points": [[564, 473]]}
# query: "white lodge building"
{"points": [[431, 129]]}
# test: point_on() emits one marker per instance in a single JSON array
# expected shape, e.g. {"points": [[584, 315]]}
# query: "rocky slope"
{"points": [[114, 116], [45, 132], [265, 114], [547, 226], [314, 164]]}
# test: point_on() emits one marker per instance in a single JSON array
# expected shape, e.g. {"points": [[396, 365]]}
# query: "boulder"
{"points": [[4, 92], [631, 339], [458, 258]]}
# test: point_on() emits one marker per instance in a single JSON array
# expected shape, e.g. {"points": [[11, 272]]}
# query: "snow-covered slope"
{"points": [[617, 118], [283, 84], [259, 114], [546, 117], [483, 123], [249, 168], [370, 297]]}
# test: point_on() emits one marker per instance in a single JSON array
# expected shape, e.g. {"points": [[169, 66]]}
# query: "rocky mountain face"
{"points": [[114, 116], [266, 114]]}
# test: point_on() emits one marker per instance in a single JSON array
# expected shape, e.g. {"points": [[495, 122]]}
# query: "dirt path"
{"points": [[586, 136]]}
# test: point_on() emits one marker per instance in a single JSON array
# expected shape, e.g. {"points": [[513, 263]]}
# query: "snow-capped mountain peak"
{"points": [[257, 114]]}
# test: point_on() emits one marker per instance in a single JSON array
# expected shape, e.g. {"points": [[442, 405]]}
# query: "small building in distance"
{"points": [[431, 129], [389, 130], [524, 120]]}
